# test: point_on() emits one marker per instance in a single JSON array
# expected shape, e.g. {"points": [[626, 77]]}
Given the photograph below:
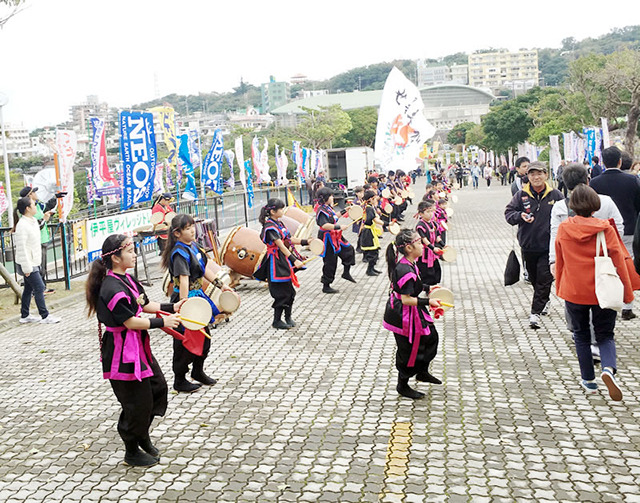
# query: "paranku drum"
{"points": [[242, 251], [303, 231]]}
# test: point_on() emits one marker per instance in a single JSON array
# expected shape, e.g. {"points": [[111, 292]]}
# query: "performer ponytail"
{"points": [[273, 204], [180, 222], [111, 247], [324, 194], [404, 237]]}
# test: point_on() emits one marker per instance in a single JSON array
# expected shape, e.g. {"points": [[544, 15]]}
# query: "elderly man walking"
{"points": [[530, 209], [624, 189]]}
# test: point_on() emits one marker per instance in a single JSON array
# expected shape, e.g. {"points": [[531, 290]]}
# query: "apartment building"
{"points": [[504, 69]]}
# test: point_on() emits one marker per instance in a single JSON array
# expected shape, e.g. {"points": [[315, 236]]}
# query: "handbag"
{"points": [[609, 286], [512, 270]]}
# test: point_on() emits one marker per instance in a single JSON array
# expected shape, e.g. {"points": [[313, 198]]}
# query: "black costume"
{"points": [[335, 245], [189, 260], [412, 326], [368, 238], [127, 361], [428, 264]]}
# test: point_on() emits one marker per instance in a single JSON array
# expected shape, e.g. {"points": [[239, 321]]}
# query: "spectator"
{"points": [[476, 173], [575, 247], [559, 177], [530, 209], [596, 169], [43, 215], [627, 162], [488, 173], [28, 259], [512, 174], [624, 189], [522, 165], [503, 174]]}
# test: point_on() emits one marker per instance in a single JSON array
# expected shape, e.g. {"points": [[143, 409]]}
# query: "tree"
{"points": [[558, 112], [8, 9], [475, 136], [363, 128], [611, 86], [320, 128], [507, 125], [458, 134]]}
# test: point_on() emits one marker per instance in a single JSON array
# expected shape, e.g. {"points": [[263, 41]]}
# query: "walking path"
{"points": [[311, 414]]}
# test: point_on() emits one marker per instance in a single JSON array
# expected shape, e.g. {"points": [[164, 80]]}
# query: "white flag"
{"points": [[240, 159], [606, 141], [554, 153], [402, 127], [264, 163], [66, 147]]}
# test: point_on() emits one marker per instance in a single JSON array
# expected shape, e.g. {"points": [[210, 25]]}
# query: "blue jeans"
{"points": [[33, 285], [475, 182], [604, 321]]}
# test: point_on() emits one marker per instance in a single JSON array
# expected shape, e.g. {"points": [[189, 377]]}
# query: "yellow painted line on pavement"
{"points": [[397, 460]]}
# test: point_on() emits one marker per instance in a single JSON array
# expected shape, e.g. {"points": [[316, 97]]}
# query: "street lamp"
{"points": [[7, 181]]}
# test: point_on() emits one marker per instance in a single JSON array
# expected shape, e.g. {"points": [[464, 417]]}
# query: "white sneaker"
{"points": [[31, 319], [51, 319], [534, 321], [545, 309]]}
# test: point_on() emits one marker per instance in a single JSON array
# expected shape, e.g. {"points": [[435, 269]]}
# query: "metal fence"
{"points": [[227, 210]]}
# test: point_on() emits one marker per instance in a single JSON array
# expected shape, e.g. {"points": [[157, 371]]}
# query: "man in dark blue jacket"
{"points": [[624, 189], [530, 209], [596, 169]]}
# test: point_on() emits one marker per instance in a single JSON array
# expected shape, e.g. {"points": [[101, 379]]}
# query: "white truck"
{"points": [[349, 166]]}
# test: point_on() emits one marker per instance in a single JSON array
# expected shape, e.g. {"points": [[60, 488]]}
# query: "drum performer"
{"points": [[187, 265], [407, 315], [427, 228], [162, 205], [370, 233], [279, 263], [136, 378], [335, 245]]}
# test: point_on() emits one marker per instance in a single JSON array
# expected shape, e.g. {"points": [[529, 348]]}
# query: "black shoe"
{"points": [[287, 317], [628, 314], [184, 386], [404, 389], [49, 291], [376, 271], [426, 377], [328, 289], [348, 277], [279, 324], [371, 273], [149, 448], [135, 457], [204, 378]]}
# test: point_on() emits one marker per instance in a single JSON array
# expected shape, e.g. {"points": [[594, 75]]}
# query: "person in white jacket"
{"points": [[28, 259]]}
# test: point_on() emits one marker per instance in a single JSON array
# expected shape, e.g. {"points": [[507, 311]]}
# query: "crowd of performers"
{"points": [[119, 300]]}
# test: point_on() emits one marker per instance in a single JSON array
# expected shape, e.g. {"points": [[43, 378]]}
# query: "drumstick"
{"points": [[446, 304], [182, 318], [310, 259]]}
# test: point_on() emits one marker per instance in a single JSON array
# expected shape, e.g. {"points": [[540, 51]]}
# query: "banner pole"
{"points": [[63, 234]]}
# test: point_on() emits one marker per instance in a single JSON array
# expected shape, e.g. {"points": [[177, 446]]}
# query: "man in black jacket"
{"points": [[530, 209], [522, 165], [624, 189], [596, 169]]}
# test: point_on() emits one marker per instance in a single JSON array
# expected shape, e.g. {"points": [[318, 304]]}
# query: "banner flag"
{"points": [[554, 153], [291, 200], [4, 205], [402, 127], [240, 161], [230, 156], [138, 153], [447, 157], [606, 140], [158, 182], [247, 167], [66, 146], [590, 138], [167, 124], [457, 156], [255, 157], [264, 163], [194, 148], [306, 158], [567, 145], [102, 180], [281, 164], [190, 190], [212, 169], [167, 175], [296, 157]]}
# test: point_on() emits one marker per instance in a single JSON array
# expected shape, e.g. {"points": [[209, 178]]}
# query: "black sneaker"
{"points": [[186, 386], [328, 289], [49, 291], [628, 314]]}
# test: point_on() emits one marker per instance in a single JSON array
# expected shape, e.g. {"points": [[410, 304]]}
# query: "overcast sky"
{"points": [[57, 52]]}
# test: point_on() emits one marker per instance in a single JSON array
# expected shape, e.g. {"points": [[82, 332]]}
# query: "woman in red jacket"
{"points": [[575, 283]]}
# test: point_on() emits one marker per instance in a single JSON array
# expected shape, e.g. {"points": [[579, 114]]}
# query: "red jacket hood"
{"points": [[584, 228]]}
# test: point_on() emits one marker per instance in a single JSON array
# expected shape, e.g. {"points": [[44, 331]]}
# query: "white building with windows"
{"points": [[19, 143], [503, 69]]}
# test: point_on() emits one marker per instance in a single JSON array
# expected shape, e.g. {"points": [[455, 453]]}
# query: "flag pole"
{"points": [[63, 233]]}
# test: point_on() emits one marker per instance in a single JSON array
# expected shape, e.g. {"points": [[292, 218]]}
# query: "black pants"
{"points": [[346, 254], [43, 262], [283, 294], [430, 275], [371, 256], [141, 401], [537, 264], [427, 351], [182, 357]]}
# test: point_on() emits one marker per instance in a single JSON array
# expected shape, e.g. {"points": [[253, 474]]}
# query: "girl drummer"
{"points": [[407, 315], [368, 238], [427, 228], [135, 376], [279, 263], [335, 245], [187, 265]]}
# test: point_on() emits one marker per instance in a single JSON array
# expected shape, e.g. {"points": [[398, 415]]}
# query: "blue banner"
{"points": [[194, 148], [139, 156], [247, 167], [590, 134], [229, 155], [212, 168], [190, 190]]}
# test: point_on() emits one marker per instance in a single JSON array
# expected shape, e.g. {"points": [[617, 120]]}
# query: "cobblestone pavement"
{"points": [[311, 414]]}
